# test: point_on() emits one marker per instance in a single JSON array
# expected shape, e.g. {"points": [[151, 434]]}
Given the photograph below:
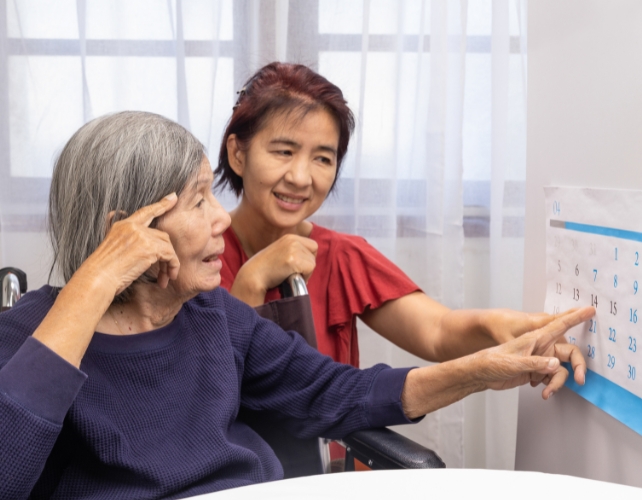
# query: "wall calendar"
{"points": [[594, 257]]}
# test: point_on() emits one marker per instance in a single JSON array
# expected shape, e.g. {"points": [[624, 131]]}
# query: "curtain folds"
{"points": [[434, 173]]}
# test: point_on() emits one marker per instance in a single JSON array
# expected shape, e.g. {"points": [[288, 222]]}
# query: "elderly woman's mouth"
{"points": [[212, 258]]}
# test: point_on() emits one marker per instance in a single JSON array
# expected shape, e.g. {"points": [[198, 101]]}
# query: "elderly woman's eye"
{"points": [[200, 203]]}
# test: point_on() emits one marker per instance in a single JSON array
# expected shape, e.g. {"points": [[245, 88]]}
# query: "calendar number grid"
{"points": [[594, 266]]}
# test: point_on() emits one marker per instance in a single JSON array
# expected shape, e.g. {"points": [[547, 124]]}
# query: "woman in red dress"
{"points": [[281, 154]]}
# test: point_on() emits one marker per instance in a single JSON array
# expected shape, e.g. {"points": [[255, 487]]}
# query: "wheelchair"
{"points": [[376, 448]]}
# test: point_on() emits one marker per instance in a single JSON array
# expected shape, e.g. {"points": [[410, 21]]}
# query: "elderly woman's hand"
{"points": [[128, 250], [533, 357], [131, 247], [508, 365]]}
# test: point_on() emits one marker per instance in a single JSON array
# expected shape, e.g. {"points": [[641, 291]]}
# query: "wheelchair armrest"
{"points": [[386, 449]]}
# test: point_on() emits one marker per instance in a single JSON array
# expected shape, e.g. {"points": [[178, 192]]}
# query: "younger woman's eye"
{"points": [[200, 203]]}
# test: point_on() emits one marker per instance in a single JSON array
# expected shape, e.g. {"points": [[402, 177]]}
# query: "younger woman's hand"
{"points": [[271, 266], [504, 325]]}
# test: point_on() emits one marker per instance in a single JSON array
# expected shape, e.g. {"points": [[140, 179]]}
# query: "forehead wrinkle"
{"points": [[286, 123], [284, 140], [193, 185]]}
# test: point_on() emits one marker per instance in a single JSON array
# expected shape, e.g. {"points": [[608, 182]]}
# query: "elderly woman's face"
{"points": [[195, 227]]}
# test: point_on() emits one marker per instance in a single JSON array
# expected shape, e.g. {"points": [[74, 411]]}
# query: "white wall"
{"points": [[28, 251], [584, 129]]}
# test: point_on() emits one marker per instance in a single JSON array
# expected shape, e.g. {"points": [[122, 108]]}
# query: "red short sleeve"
{"points": [[361, 277]]}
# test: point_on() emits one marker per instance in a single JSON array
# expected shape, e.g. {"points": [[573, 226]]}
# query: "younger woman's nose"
{"points": [[299, 173]]}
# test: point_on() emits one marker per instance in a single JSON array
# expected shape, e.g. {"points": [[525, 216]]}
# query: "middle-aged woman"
{"points": [[127, 381], [281, 153]]}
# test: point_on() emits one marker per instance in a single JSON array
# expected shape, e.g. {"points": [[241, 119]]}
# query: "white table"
{"points": [[431, 484]]}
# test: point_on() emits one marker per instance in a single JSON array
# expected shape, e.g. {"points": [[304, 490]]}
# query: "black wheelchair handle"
{"points": [[294, 286]]}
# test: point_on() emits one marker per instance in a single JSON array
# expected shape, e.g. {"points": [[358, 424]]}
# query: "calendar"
{"points": [[594, 257]]}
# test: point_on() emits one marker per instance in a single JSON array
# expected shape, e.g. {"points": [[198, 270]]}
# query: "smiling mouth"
{"points": [[287, 199]]}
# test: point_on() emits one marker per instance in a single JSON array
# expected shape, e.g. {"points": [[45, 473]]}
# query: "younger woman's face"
{"points": [[289, 167]]}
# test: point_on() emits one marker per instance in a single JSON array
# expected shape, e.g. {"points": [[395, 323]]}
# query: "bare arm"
{"points": [[533, 357], [426, 328]]}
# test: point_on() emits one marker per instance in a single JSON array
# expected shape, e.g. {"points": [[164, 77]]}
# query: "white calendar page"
{"points": [[594, 257]]}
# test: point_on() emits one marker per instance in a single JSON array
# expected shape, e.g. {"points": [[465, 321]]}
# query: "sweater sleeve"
{"points": [[313, 395], [37, 387]]}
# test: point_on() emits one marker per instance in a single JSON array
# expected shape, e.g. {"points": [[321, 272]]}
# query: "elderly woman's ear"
{"points": [[113, 217]]}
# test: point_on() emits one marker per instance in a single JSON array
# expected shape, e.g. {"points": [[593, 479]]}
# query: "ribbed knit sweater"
{"points": [[153, 415]]}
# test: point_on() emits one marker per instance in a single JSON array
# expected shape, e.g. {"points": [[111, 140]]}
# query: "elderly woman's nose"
{"points": [[299, 173], [221, 220]]}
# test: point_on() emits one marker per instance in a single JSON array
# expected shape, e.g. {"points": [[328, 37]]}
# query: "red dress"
{"points": [[349, 276]]}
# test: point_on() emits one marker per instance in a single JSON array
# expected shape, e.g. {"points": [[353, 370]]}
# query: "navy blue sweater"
{"points": [[153, 415]]}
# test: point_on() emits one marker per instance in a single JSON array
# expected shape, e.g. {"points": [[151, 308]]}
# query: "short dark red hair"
{"points": [[275, 89]]}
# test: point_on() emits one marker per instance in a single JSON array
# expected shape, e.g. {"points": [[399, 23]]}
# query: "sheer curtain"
{"points": [[434, 177]]}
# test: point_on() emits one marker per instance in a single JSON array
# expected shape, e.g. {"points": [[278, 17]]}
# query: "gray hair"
{"points": [[120, 162]]}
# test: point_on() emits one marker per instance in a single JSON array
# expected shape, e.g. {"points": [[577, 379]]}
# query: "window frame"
{"points": [[304, 44]]}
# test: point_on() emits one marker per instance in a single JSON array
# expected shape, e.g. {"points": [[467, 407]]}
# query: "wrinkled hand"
{"points": [[131, 247], [535, 357], [288, 255]]}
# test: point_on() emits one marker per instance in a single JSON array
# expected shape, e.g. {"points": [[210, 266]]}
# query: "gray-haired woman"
{"points": [[126, 382]]}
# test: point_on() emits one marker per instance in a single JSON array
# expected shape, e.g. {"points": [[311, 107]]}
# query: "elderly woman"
{"points": [[126, 382]]}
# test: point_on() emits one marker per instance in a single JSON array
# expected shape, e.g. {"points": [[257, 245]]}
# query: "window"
{"points": [[67, 62]]}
